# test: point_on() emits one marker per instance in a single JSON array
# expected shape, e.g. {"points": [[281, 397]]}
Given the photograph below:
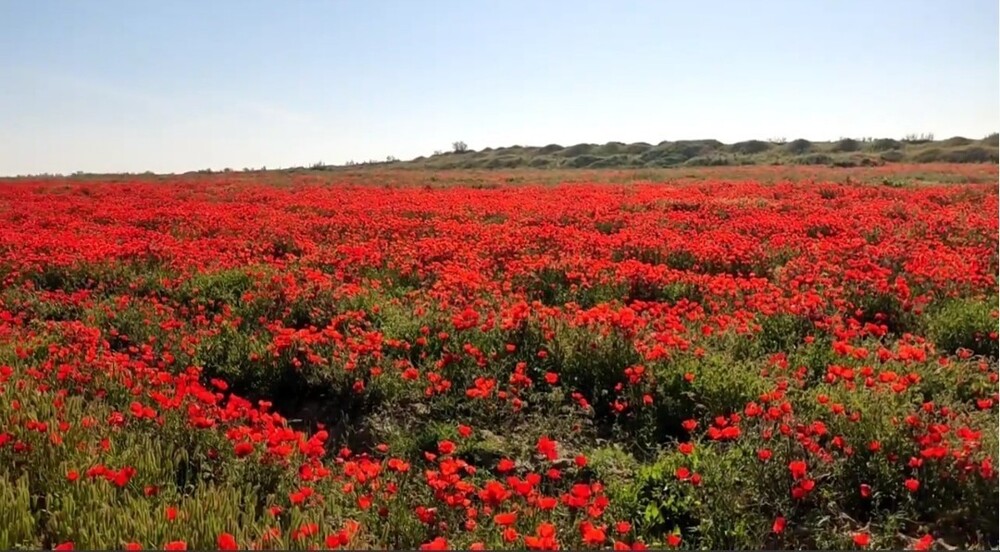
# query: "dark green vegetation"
{"points": [[846, 152]]}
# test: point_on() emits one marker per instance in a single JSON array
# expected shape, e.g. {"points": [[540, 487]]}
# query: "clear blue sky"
{"points": [[133, 85]]}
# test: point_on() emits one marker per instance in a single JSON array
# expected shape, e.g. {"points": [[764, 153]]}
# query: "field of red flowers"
{"points": [[424, 361]]}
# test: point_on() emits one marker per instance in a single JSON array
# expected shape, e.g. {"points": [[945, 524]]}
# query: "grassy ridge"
{"points": [[845, 152], [640, 157]]}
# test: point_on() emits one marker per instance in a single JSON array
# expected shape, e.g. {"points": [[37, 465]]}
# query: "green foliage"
{"points": [[750, 147], [886, 309], [971, 154], [846, 145], [964, 324], [885, 144], [576, 151], [929, 155], [591, 363], [892, 156], [798, 147], [956, 141], [813, 158], [667, 504], [220, 287], [782, 332]]}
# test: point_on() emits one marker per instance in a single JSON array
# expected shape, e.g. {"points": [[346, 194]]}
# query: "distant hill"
{"points": [[846, 152]]}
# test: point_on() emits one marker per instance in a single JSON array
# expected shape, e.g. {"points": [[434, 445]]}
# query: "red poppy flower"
{"points": [[243, 449], [439, 543], [924, 543], [798, 469], [505, 519], [591, 534], [226, 542], [547, 447]]}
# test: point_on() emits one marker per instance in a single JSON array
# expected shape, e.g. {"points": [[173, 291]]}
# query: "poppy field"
{"points": [[459, 361]]}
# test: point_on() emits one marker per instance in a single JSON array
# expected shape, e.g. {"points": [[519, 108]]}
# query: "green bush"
{"points": [[930, 155], [956, 141], [886, 309], [611, 148], [782, 332], [972, 154], [965, 324], [892, 156], [885, 144], [637, 148], [813, 159], [846, 145], [798, 147], [577, 150], [750, 147]]}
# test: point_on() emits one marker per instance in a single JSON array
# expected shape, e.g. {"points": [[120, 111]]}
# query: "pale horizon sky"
{"points": [[179, 85]]}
